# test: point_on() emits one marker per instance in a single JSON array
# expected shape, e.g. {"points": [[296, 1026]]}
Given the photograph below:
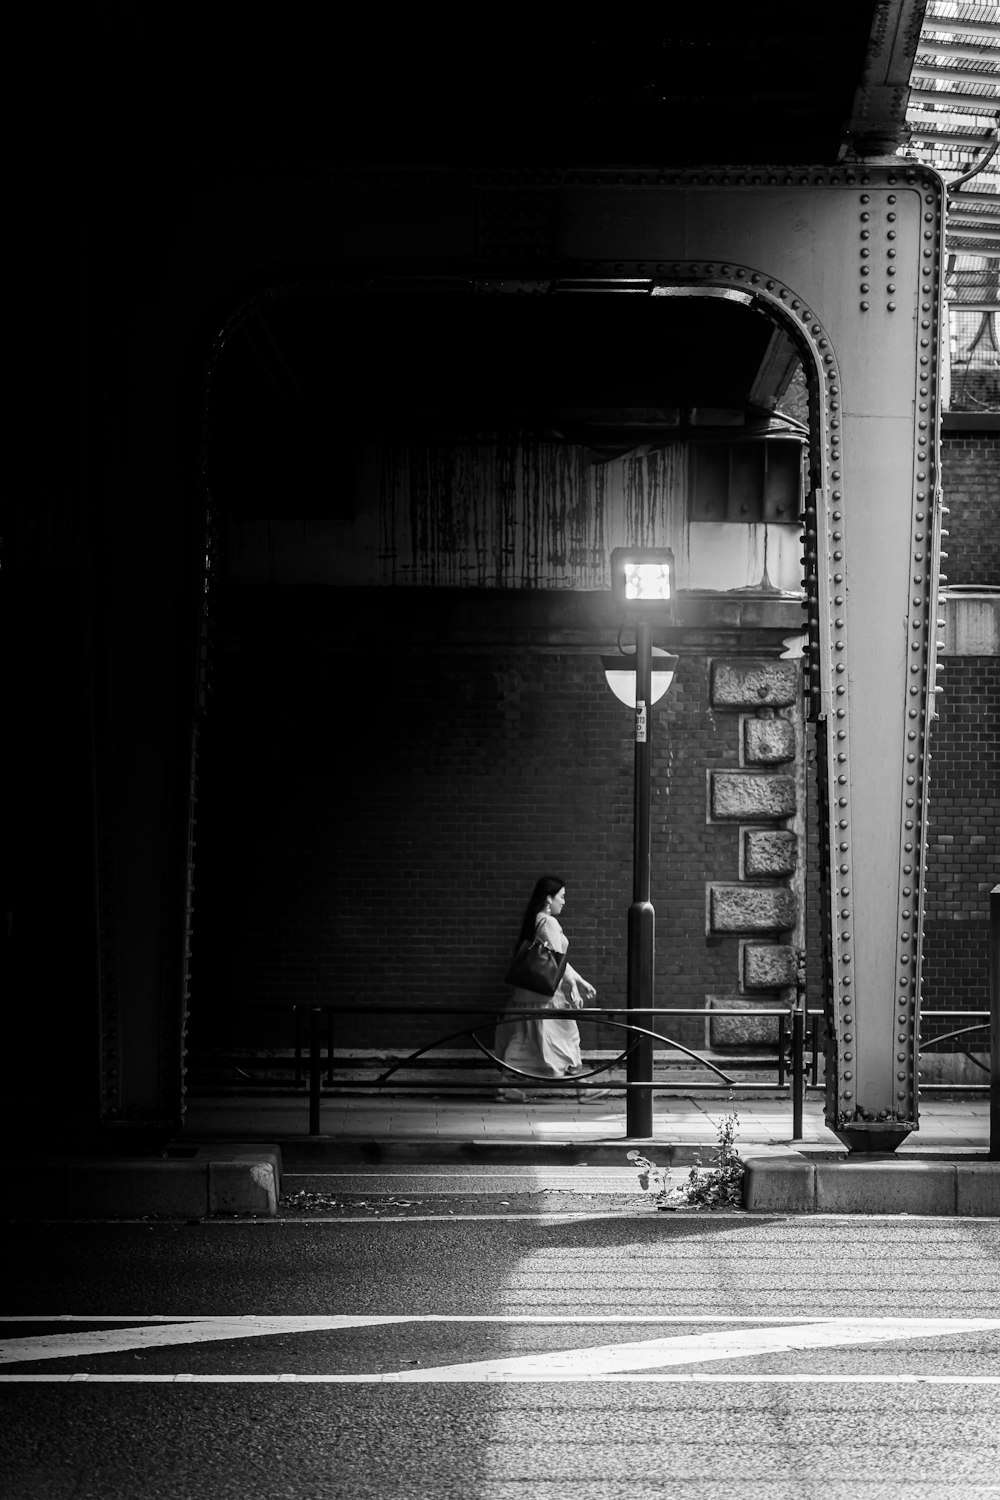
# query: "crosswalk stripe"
{"points": [[769, 1336], [160, 1335], [607, 1359]]}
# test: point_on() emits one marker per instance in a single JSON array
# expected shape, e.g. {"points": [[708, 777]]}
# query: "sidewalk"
{"points": [[427, 1127], [231, 1154], [941, 1169]]}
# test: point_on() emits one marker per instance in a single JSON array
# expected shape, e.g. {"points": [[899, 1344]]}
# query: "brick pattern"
{"points": [[380, 852], [970, 475], [964, 834], [963, 838]]}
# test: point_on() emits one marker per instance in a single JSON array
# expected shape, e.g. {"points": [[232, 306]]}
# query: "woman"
{"points": [[550, 1046]]}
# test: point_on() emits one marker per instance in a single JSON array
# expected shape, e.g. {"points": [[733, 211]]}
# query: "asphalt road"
{"points": [[411, 1351]]}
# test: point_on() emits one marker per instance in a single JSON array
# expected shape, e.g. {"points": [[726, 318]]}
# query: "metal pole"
{"points": [[798, 1043], [315, 1062], [641, 917], [995, 1023]]}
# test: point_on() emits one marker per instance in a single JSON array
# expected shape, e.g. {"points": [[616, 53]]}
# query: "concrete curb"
{"points": [[304, 1155], [224, 1179], [310, 1153], [790, 1184]]}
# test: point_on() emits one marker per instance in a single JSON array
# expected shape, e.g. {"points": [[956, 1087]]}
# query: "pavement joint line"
{"points": [[654, 1377], [611, 1213], [762, 1217]]}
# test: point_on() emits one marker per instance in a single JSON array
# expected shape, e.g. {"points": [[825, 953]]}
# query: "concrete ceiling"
{"points": [[308, 85], [184, 96]]}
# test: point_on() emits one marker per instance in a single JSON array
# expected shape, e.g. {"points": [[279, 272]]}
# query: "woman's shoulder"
{"points": [[547, 927]]}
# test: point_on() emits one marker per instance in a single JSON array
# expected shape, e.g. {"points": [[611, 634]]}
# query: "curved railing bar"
{"points": [[440, 1042], [981, 1026], [933, 1041], [547, 1077], [541, 1078], [468, 1032], [659, 1037]]}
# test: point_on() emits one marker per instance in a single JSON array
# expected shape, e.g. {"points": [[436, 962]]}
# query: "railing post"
{"points": [[798, 1045], [995, 1023], [315, 1066]]}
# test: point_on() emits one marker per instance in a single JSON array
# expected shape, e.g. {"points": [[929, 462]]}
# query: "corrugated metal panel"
{"points": [[952, 119]]}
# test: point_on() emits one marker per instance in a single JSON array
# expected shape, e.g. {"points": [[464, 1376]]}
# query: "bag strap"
{"points": [[542, 915]]}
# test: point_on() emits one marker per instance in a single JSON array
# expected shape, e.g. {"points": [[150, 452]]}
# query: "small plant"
{"points": [[718, 1186]]}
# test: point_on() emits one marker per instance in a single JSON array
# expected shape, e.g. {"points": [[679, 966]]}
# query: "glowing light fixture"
{"points": [[642, 576]]}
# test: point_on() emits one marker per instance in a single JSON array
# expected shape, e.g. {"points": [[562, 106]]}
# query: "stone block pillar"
{"points": [[763, 799]]}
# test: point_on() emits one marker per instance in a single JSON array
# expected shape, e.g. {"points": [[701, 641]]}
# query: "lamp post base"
{"points": [[639, 1066]]}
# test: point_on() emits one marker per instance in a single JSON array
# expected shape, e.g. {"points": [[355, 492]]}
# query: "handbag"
{"points": [[537, 967]]}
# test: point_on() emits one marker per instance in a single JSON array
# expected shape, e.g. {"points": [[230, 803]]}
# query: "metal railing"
{"points": [[793, 1059], [929, 1043]]}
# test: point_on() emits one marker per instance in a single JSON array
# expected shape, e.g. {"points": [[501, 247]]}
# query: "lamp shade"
{"points": [[619, 673]]}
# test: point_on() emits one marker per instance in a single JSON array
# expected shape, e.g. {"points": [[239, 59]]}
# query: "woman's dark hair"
{"points": [[548, 885]]}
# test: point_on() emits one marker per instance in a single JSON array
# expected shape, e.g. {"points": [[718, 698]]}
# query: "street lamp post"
{"points": [[642, 584]]}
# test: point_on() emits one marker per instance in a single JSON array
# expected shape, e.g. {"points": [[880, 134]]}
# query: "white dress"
{"points": [[548, 1047]]}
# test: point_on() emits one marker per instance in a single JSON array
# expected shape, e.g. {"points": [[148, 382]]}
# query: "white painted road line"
{"points": [[160, 1335], [683, 1349], [358, 1320], [607, 1360]]}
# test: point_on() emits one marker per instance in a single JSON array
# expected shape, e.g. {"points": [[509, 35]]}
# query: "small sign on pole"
{"points": [[640, 723]]}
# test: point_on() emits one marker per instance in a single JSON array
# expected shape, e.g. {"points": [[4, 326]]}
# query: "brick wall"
{"points": [[970, 478], [379, 850], [964, 838], [963, 861]]}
